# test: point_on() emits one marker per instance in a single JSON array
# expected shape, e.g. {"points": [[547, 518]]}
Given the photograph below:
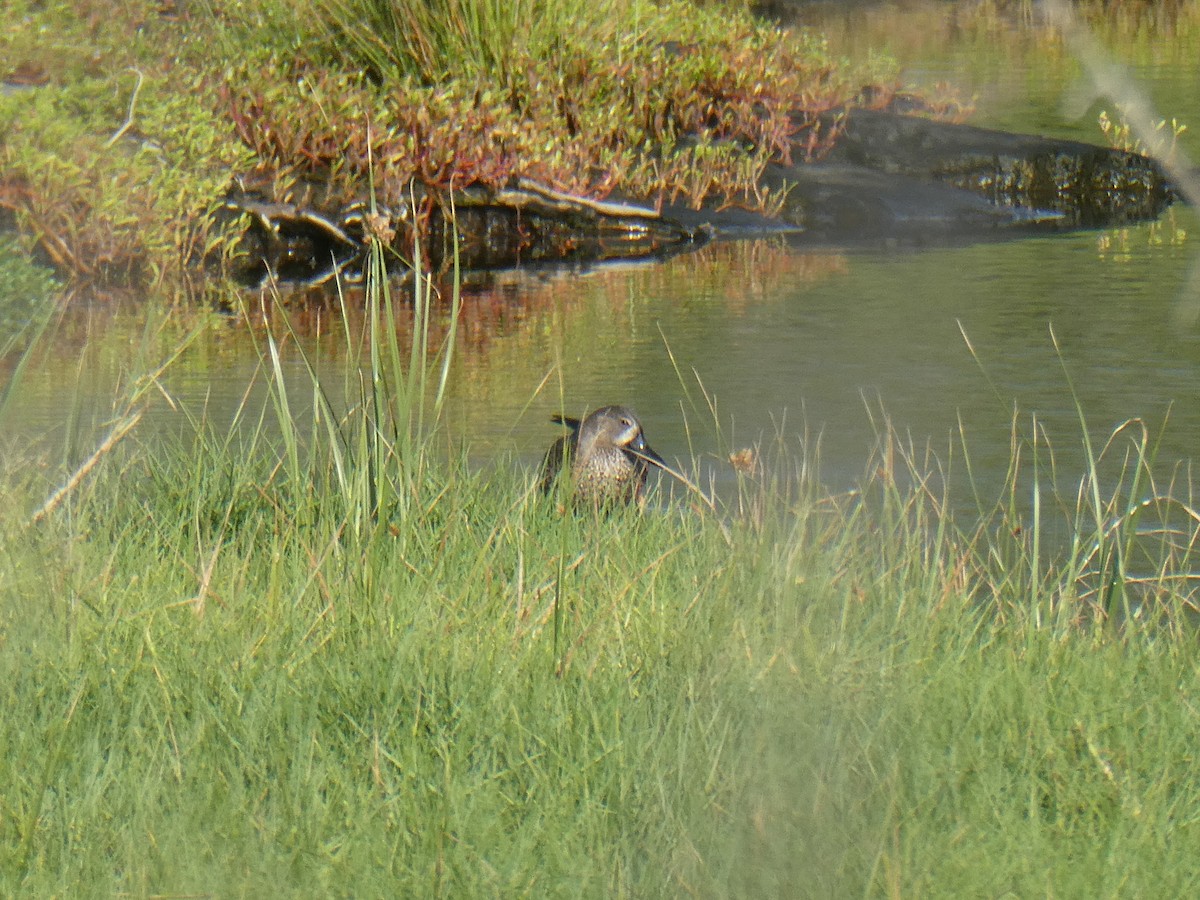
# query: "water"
{"points": [[828, 342], [823, 343]]}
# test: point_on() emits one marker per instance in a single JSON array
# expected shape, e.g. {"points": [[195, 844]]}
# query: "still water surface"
{"points": [[827, 343]]}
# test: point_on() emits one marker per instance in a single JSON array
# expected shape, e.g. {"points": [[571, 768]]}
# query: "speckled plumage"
{"points": [[607, 456]]}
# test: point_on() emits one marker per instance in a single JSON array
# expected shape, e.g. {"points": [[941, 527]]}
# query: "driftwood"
{"points": [[520, 224]]}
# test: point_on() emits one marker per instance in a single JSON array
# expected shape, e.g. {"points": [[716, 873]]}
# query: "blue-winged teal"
{"points": [[606, 453]]}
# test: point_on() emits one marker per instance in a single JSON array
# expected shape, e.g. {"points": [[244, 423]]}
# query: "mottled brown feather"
{"points": [[606, 455]]}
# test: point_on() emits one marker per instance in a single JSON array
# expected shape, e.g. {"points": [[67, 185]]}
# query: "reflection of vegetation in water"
{"points": [[26, 307], [1117, 244], [508, 319], [587, 335], [26, 290]]}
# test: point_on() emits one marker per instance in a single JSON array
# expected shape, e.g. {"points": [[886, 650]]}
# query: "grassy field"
{"points": [[330, 659]]}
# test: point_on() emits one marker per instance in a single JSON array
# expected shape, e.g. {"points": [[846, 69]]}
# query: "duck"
{"points": [[606, 455]]}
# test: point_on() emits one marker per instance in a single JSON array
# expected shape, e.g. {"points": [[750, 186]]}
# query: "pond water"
{"points": [[830, 342]]}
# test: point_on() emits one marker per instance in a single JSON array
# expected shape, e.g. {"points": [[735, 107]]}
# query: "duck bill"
{"points": [[646, 452]]}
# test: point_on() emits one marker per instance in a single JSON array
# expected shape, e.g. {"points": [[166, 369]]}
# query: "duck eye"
{"points": [[627, 422]]}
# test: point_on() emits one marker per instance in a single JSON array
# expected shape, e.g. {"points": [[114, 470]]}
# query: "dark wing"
{"points": [[559, 451], [553, 462], [570, 421]]}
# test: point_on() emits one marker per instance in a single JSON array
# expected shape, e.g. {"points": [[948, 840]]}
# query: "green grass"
{"points": [[330, 659]]}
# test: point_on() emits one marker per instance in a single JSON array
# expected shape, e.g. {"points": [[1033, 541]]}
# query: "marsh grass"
{"points": [[333, 659], [432, 41]]}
